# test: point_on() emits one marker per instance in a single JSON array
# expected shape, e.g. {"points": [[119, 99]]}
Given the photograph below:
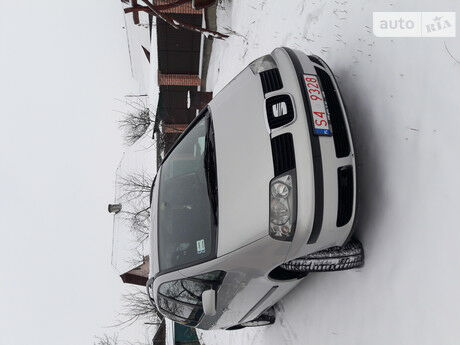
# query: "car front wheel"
{"points": [[265, 319], [332, 259]]}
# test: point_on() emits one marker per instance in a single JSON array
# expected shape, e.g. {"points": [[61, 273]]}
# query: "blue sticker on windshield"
{"points": [[200, 248]]}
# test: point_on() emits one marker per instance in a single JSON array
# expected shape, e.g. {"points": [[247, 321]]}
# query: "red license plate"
{"points": [[321, 125]]}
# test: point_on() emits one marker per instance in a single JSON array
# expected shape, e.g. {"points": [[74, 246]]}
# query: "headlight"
{"points": [[279, 212], [283, 206], [264, 63], [280, 190]]}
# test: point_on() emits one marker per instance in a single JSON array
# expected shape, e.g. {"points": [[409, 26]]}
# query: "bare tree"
{"points": [[135, 196], [137, 307], [158, 7], [135, 185], [113, 340], [135, 122], [157, 10], [107, 340], [139, 223]]}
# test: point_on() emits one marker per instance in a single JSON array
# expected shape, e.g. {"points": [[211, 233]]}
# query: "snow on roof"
{"points": [[154, 88], [145, 73]]}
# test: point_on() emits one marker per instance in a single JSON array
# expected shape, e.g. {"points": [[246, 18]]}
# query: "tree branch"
{"points": [[176, 24], [157, 7]]}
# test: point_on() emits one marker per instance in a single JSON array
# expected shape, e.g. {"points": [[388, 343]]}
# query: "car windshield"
{"points": [[187, 204]]}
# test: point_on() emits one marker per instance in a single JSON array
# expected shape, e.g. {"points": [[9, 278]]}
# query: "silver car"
{"points": [[257, 192]]}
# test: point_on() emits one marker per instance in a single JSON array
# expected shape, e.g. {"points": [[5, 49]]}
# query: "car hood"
{"points": [[244, 162]]}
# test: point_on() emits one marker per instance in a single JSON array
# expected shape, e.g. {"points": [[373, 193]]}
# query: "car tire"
{"points": [[265, 319], [235, 328], [351, 255]]}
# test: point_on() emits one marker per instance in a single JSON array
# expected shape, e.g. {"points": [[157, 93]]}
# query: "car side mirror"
{"points": [[208, 299]]}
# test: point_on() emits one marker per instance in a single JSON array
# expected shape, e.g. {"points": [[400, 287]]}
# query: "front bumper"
{"points": [[318, 160], [317, 169]]}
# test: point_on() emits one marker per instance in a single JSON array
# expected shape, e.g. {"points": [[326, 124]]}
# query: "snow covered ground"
{"points": [[403, 99]]}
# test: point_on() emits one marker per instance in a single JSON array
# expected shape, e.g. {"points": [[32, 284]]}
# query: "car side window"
{"points": [[181, 299]]}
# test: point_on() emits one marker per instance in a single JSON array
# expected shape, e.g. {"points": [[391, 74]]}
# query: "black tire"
{"points": [[265, 319], [280, 274], [332, 259], [235, 328]]}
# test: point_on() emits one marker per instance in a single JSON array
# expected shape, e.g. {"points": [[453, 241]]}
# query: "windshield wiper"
{"points": [[210, 169]]}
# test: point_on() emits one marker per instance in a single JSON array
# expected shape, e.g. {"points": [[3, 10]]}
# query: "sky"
{"points": [[63, 66]]}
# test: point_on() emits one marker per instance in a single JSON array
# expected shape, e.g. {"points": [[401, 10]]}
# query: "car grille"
{"points": [[283, 153], [271, 80], [345, 207], [278, 121], [339, 129]]}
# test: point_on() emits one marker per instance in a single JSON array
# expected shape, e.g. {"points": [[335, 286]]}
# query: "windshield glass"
{"points": [[187, 219]]}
